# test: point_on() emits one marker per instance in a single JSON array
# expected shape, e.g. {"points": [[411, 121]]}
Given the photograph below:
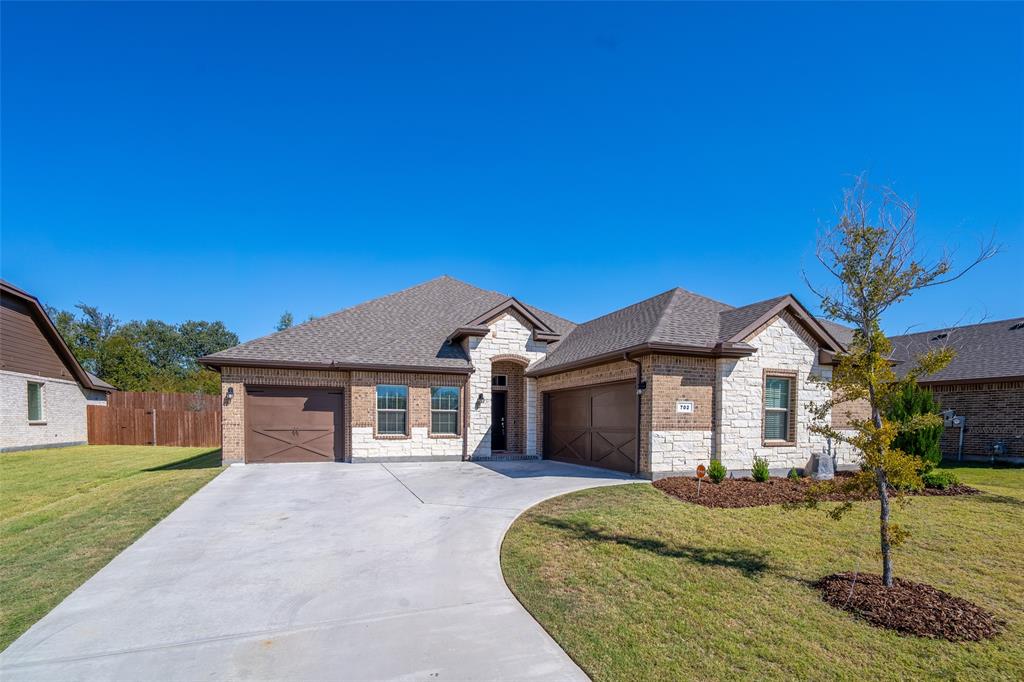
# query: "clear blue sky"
{"points": [[231, 161]]}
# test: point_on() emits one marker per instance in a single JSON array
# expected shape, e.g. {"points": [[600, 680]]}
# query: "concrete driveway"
{"points": [[315, 572]]}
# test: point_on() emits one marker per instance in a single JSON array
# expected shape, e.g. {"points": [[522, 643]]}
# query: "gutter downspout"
{"points": [[639, 391]]}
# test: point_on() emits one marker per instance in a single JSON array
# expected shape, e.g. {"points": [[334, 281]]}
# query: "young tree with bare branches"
{"points": [[873, 254]]}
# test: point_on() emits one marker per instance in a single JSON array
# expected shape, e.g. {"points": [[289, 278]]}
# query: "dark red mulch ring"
{"points": [[908, 607], [746, 492]]}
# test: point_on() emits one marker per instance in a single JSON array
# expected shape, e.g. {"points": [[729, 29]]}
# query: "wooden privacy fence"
{"points": [[131, 418]]}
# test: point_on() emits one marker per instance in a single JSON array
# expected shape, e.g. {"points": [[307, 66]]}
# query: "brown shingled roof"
{"points": [[405, 330], [674, 321], [992, 350]]}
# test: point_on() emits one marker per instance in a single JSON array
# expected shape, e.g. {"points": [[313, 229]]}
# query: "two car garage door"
{"points": [[294, 425], [595, 426]]}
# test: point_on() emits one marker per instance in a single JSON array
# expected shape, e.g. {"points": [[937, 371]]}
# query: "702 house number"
{"points": [[684, 406]]}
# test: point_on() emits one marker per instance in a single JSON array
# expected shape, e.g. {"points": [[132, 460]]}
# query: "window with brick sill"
{"points": [[392, 411], [444, 411]]}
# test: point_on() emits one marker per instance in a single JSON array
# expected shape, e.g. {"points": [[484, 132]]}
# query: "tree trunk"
{"points": [[883, 526], [882, 482]]}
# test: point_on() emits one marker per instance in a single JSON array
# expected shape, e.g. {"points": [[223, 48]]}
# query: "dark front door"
{"points": [[293, 425], [499, 405], [595, 426]]}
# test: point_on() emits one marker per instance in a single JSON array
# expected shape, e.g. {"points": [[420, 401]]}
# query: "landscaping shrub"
{"points": [[924, 443], [939, 479], [760, 469], [717, 471], [793, 474]]}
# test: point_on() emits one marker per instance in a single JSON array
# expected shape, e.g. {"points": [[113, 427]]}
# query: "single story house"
{"points": [[984, 385], [44, 391], [445, 370]]}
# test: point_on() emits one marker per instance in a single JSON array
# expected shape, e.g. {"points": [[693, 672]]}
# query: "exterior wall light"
{"points": [[230, 394]]}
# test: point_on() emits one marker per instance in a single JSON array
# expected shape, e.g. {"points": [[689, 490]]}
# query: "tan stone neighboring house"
{"points": [[984, 385], [44, 391], [445, 370]]}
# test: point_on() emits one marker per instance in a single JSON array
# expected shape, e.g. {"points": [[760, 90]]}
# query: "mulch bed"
{"points": [[908, 607], [746, 492]]}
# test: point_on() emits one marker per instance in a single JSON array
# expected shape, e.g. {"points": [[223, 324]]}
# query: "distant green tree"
{"points": [[126, 366], [911, 402], [148, 355], [198, 338], [85, 333], [286, 321]]}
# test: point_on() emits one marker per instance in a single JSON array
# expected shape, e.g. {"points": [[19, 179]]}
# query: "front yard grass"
{"points": [[66, 512], [636, 585]]}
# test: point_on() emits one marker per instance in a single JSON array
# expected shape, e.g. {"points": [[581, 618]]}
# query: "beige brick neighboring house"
{"points": [[445, 370], [44, 392]]}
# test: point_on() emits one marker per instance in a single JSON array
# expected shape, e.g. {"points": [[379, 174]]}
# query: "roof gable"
{"points": [[479, 326], [739, 323], [34, 309]]}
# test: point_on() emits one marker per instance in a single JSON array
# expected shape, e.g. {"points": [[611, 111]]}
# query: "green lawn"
{"points": [[66, 512], [636, 585]]}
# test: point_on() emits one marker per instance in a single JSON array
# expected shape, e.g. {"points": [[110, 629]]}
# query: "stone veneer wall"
{"points": [[782, 344], [510, 337], [359, 405], [64, 412], [994, 411]]}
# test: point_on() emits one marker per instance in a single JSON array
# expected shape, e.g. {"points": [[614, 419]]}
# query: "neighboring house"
{"points": [[984, 384], [43, 390], [445, 370]]}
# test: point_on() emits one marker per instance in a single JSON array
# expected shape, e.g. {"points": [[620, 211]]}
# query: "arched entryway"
{"points": [[508, 406]]}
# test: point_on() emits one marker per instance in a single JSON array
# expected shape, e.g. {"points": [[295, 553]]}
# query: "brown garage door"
{"points": [[595, 426], [293, 425]]}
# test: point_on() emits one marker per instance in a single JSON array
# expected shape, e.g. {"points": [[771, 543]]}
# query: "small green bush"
{"points": [[717, 471], [936, 478], [924, 443], [793, 474], [760, 469]]}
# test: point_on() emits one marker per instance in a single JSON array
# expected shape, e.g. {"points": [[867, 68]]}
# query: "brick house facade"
{"points": [[983, 385], [615, 392]]}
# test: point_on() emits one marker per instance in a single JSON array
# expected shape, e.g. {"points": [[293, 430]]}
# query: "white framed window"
{"points": [[392, 409], [35, 402], [444, 410], [499, 380], [777, 391]]}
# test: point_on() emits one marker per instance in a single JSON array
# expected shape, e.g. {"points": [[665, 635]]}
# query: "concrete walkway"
{"points": [[315, 572]]}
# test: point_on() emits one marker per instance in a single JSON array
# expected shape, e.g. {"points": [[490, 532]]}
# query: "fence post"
{"points": [[154, 427]]}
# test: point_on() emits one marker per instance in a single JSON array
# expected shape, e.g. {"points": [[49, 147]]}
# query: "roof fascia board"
{"points": [[736, 350], [478, 327], [511, 302], [217, 363]]}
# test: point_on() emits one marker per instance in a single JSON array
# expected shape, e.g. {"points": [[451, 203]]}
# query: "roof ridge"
{"points": [[328, 316], [707, 298], [625, 307], [954, 327], [664, 310]]}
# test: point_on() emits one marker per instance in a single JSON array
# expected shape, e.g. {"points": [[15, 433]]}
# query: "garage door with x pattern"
{"points": [[293, 425], [595, 426]]}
